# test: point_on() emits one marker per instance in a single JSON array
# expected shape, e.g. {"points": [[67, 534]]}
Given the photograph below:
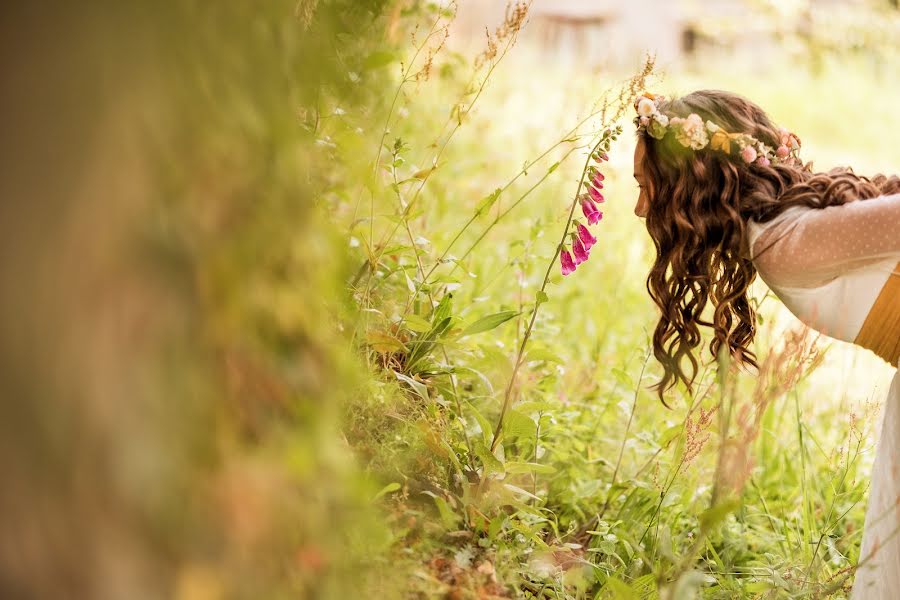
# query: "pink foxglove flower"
{"points": [[596, 196], [565, 262], [579, 251], [601, 156], [584, 234], [597, 182], [590, 210]]}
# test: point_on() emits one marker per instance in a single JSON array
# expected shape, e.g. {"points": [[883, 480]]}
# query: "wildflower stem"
{"points": [[437, 156], [404, 79], [507, 397], [637, 391], [421, 268]]}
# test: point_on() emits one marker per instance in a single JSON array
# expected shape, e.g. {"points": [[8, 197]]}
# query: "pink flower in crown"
{"points": [[788, 139], [584, 234], [763, 161], [748, 154], [782, 151], [565, 262], [591, 213], [579, 251], [785, 136]]}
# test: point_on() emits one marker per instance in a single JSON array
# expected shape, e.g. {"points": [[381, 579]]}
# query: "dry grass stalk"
{"points": [[781, 371], [513, 21]]}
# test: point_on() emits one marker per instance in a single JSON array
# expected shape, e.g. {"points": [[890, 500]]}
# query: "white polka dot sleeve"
{"points": [[806, 247]]}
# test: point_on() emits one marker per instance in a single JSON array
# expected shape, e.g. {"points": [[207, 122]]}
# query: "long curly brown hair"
{"points": [[699, 205]]}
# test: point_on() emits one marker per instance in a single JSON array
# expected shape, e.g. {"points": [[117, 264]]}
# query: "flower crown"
{"points": [[693, 133]]}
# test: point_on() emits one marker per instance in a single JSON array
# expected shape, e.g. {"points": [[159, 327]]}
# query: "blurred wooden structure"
{"points": [[617, 33]]}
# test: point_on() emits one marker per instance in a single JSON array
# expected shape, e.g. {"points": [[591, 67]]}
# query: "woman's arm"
{"points": [[819, 244]]}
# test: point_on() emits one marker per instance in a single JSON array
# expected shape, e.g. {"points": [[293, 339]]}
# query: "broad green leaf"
{"points": [[391, 487], [534, 406], [518, 425], [489, 322], [383, 342], [416, 323], [544, 354], [491, 463]]}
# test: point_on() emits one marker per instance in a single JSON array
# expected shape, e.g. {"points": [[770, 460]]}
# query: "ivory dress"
{"points": [[828, 266]]}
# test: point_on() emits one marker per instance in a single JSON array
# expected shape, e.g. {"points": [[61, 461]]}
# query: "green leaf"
{"points": [[716, 514], [489, 322], [534, 406], [528, 467], [541, 298], [542, 354], [416, 323], [418, 387], [442, 310], [488, 201], [449, 517], [383, 342], [620, 590], [486, 430], [491, 463], [391, 487], [518, 425], [379, 59], [519, 490]]}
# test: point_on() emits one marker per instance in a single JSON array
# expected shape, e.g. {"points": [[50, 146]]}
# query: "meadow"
{"points": [[754, 486]]}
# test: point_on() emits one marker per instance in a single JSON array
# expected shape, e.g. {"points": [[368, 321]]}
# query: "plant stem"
{"points": [[507, 398]]}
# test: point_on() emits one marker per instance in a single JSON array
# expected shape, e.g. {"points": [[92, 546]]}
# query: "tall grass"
{"points": [[507, 412]]}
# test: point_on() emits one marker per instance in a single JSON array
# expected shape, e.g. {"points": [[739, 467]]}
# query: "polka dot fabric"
{"points": [[828, 266]]}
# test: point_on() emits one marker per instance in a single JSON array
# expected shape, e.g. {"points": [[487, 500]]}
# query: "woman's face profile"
{"points": [[640, 209]]}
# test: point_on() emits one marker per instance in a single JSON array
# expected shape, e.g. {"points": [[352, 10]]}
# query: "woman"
{"points": [[726, 196]]}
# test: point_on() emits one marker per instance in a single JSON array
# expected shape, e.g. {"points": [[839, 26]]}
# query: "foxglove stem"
{"points": [[507, 396]]}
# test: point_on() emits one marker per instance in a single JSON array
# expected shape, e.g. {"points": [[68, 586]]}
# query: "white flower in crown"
{"points": [[690, 132], [657, 127], [646, 107]]}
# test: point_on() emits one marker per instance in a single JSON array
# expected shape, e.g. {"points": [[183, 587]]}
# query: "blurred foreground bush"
{"points": [[170, 377]]}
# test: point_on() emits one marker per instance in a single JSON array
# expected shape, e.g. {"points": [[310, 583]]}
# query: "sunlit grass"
{"points": [[796, 528]]}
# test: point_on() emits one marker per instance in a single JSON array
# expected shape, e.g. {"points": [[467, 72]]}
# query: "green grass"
{"points": [[596, 491]]}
